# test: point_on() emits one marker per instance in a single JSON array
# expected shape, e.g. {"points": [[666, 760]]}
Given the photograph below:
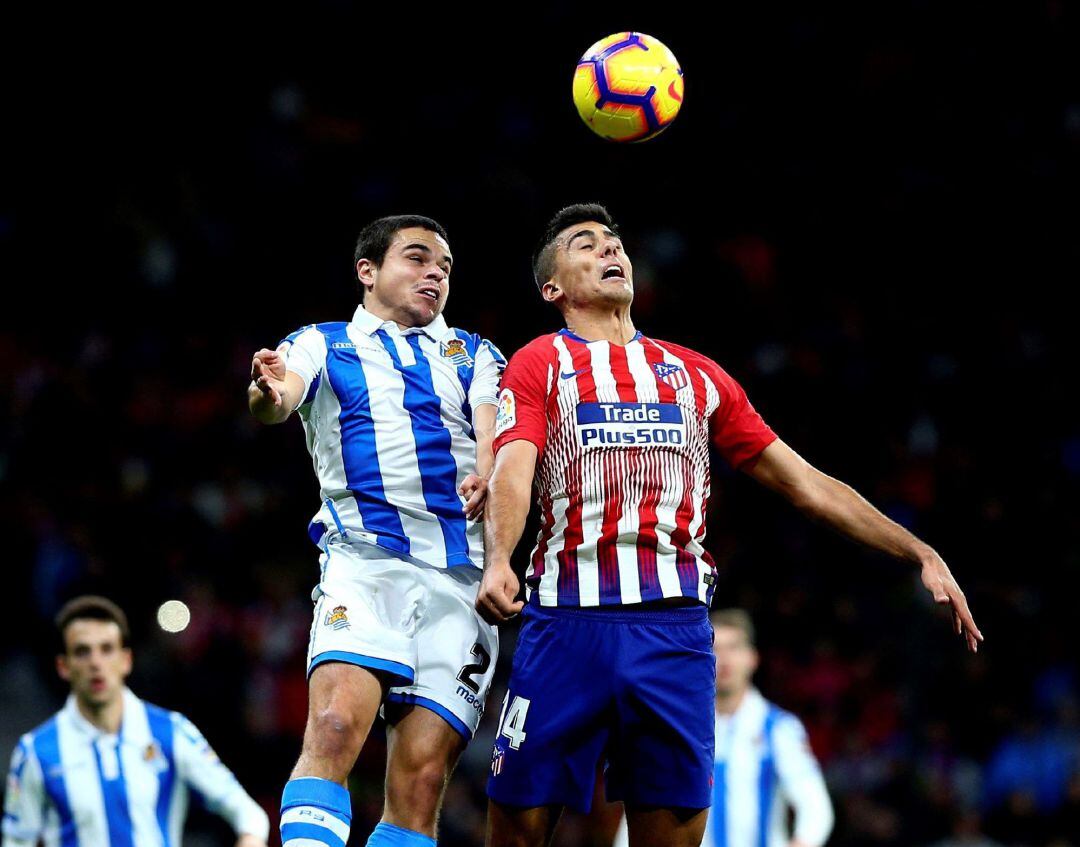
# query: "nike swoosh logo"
{"points": [[572, 374]]}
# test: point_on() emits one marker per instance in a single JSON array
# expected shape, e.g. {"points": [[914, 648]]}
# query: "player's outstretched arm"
{"points": [[507, 508], [274, 392], [841, 507]]}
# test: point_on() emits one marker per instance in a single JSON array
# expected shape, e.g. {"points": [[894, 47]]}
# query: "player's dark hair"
{"points": [[736, 619], [375, 238], [579, 213], [94, 608]]}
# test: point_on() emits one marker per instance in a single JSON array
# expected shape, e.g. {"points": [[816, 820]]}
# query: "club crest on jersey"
{"points": [[337, 619], [506, 415], [455, 351], [630, 425], [497, 757], [671, 375]]}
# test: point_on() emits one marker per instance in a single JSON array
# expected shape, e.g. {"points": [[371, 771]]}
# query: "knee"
{"points": [[334, 733]]}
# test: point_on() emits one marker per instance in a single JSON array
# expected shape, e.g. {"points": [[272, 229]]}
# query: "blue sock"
{"points": [[388, 835], [315, 811]]}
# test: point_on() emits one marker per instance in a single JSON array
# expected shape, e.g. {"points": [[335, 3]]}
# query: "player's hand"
{"points": [[940, 582], [474, 489], [495, 602], [246, 840], [268, 374]]}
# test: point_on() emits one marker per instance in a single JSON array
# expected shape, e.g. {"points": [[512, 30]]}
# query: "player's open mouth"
{"points": [[432, 293], [613, 272]]}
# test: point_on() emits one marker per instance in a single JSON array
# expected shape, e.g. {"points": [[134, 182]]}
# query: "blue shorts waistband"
{"points": [[698, 613]]}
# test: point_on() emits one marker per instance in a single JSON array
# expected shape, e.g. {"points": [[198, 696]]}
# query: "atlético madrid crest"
{"points": [[671, 375]]}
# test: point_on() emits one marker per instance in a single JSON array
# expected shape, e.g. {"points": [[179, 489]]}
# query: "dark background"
{"points": [[867, 215]]}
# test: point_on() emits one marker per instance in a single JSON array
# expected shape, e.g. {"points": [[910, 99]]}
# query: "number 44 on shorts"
{"points": [[512, 720]]}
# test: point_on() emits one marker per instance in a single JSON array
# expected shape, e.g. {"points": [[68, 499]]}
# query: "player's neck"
{"points": [[105, 716], [386, 313], [727, 703], [611, 326]]}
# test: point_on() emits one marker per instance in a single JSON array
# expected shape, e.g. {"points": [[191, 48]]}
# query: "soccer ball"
{"points": [[628, 87]]}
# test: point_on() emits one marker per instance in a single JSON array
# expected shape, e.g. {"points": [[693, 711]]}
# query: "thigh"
{"points": [[662, 749], [660, 827], [555, 719], [455, 653]]}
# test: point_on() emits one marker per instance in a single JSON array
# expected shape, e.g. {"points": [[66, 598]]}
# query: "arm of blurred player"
{"points": [[202, 771], [24, 800], [802, 784], [507, 508], [838, 505], [474, 488], [274, 392]]}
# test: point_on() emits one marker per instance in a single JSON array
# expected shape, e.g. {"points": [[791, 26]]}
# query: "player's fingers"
{"points": [[487, 609], [475, 503]]}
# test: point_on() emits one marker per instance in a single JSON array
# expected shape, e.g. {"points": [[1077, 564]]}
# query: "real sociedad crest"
{"points": [[671, 375], [455, 351]]}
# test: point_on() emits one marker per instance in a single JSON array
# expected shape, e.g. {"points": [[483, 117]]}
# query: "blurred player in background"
{"points": [[763, 762], [614, 660], [109, 768], [399, 412]]}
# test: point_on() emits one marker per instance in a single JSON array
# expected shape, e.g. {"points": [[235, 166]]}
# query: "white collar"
{"points": [[79, 721], [368, 324]]}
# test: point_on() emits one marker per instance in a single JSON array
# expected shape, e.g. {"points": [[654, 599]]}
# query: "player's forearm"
{"points": [[813, 813], [841, 507], [505, 514], [484, 430], [263, 408]]}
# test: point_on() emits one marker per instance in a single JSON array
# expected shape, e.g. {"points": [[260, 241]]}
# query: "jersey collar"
{"points": [[75, 717], [573, 337], [368, 324]]}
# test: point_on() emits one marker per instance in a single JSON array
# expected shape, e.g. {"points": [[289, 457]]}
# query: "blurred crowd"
{"points": [[865, 221]]}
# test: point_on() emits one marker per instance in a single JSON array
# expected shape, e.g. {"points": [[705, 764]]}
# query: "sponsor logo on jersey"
{"points": [[343, 345], [572, 374], [337, 619], [472, 699], [506, 416], [455, 351], [630, 425], [671, 375]]}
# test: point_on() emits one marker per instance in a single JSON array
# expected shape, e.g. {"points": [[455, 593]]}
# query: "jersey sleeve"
{"points": [[802, 783], [203, 772], [24, 798], [736, 429], [488, 368], [521, 409], [305, 355]]}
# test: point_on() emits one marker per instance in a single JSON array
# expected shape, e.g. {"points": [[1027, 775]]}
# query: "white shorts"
{"points": [[417, 624]]}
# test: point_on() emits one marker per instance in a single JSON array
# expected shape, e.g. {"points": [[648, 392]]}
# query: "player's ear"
{"points": [[125, 666], [62, 667], [550, 291], [365, 272]]}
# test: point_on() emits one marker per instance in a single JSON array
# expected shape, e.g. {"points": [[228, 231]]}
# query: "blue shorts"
{"points": [[633, 688]]}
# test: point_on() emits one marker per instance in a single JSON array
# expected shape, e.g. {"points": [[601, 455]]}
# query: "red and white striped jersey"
{"points": [[623, 437]]}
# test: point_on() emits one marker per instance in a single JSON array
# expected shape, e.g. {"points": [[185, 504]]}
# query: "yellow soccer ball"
{"points": [[628, 87]]}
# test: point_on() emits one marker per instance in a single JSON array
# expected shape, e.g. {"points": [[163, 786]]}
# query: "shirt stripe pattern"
{"points": [[387, 414], [623, 479]]}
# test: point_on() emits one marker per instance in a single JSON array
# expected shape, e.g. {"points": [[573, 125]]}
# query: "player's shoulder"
{"points": [[46, 727], [541, 348], [325, 329], [783, 721], [688, 355]]}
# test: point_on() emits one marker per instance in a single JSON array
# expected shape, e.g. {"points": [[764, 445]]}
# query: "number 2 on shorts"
{"points": [[512, 724]]}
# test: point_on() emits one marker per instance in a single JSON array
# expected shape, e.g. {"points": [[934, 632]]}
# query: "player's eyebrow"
{"points": [[578, 234], [420, 245]]}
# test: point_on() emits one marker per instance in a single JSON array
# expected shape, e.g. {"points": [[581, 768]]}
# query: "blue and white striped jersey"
{"points": [[72, 785], [388, 415]]}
